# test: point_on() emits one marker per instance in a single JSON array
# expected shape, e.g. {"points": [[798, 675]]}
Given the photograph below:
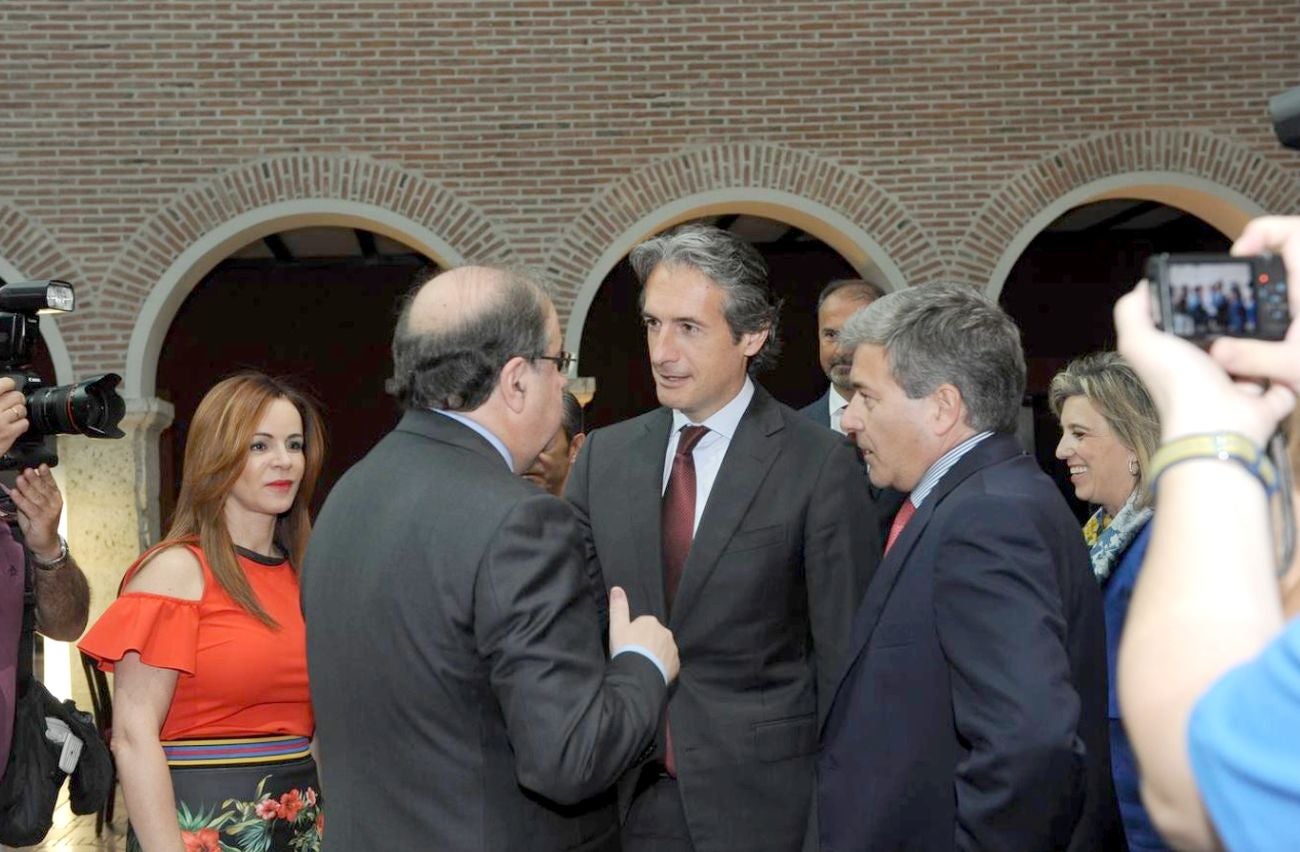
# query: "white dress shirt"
{"points": [[837, 404], [711, 449]]}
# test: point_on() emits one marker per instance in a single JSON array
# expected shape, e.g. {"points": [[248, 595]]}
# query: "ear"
{"points": [[753, 341], [513, 382], [948, 408], [576, 444]]}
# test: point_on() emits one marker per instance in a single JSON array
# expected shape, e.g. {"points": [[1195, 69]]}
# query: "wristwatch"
{"points": [[57, 562]]}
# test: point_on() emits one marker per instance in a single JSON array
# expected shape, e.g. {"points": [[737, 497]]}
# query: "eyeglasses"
{"points": [[563, 362]]}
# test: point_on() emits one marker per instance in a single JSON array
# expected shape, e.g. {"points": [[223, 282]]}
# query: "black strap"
{"points": [[27, 639]]}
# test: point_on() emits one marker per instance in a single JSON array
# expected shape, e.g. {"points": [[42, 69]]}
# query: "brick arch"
{"points": [[1219, 180], [28, 251], [202, 225], [841, 207]]}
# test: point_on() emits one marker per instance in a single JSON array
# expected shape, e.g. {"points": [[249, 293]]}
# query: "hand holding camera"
{"points": [[1200, 391]]}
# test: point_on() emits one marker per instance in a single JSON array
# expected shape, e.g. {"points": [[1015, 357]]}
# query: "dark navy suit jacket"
{"points": [[972, 712]]}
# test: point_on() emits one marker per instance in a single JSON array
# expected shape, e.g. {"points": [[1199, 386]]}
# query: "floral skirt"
{"points": [[245, 795]]}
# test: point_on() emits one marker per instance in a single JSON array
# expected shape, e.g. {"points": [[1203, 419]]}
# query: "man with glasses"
{"points": [[462, 692], [747, 528]]}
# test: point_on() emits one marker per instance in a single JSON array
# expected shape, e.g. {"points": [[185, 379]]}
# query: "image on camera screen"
{"points": [[1213, 299]]}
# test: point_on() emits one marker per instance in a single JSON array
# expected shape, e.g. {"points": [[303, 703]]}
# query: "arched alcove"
{"points": [[612, 348], [315, 306]]}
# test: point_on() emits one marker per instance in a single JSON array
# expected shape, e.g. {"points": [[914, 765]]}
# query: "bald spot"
{"points": [[451, 297]]}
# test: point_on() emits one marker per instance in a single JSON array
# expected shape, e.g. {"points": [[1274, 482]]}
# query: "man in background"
{"points": [[838, 301], [551, 469]]}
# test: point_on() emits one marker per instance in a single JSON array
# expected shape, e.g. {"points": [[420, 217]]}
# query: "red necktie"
{"points": [[679, 510], [677, 532], [905, 513]]}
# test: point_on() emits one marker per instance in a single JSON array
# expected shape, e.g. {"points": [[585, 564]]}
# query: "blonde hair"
{"points": [[1107, 381]]}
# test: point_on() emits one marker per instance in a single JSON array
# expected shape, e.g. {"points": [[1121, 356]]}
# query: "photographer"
{"points": [[1209, 673], [62, 595]]}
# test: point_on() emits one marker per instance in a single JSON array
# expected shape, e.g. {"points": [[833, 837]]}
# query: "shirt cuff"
{"points": [[645, 652]]}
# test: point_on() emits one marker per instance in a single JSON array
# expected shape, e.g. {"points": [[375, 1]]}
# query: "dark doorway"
{"points": [[315, 306]]}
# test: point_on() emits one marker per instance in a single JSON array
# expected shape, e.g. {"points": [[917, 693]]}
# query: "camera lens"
{"points": [[91, 408]]}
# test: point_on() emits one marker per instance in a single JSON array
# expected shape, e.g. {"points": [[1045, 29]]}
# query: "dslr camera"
{"points": [[92, 407], [1203, 296]]}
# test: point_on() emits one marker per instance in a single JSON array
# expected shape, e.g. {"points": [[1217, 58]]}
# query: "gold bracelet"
{"points": [[1224, 446]]}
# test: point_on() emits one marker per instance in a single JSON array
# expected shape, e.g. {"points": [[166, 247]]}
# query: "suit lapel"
{"points": [[749, 456], [643, 485], [991, 450]]}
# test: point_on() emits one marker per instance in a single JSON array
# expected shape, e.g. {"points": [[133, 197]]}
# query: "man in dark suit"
{"points": [[746, 536], [462, 693], [838, 301], [972, 712]]}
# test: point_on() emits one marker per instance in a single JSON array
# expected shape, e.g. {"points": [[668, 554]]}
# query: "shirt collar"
{"points": [[726, 419], [836, 401], [942, 466], [496, 442]]}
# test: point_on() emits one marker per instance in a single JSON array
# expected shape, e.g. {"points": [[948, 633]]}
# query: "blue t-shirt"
{"points": [[1244, 740]]}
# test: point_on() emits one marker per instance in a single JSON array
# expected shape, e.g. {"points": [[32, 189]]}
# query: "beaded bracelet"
{"points": [[1224, 446]]}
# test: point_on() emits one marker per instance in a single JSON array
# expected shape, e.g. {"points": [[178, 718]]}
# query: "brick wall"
{"points": [[539, 131]]}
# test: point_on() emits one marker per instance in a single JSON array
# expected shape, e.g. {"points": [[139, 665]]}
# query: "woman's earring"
{"points": [[1133, 467]]}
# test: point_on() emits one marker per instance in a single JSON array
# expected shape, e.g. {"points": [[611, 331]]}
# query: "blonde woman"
{"points": [[1109, 431]]}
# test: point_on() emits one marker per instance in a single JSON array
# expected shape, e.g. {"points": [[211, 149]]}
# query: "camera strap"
{"points": [[27, 638]]}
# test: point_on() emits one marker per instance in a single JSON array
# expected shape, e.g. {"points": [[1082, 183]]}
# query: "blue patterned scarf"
{"points": [[1108, 538]]}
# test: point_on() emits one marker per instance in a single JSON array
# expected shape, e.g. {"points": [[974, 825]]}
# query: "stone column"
{"points": [[110, 490]]}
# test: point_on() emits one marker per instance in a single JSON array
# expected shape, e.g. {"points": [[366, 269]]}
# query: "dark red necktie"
{"points": [[678, 530], [905, 513], [678, 526]]}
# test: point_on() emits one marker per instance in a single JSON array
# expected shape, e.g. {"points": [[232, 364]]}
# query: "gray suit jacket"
{"points": [[762, 616], [463, 698]]}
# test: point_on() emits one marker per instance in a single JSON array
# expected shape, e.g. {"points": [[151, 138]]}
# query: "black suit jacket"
{"points": [[761, 617], [463, 698], [887, 501], [972, 714]]}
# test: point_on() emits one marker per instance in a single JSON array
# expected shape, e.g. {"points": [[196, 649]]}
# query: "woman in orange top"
{"points": [[213, 719]]}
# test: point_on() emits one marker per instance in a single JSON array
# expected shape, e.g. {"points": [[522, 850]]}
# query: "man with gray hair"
{"points": [[972, 712], [462, 693], [748, 530]]}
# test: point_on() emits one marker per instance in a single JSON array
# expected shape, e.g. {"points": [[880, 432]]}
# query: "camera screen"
{"points": [[1213, 299]]}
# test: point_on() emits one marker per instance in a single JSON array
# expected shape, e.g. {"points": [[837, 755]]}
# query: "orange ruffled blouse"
{"points": [[238, 676]]}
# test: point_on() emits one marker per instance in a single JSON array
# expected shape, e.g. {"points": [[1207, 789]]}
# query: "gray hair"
{"points": [[733, 265], [572, 423], [948, 334], [858, 289], [455, 366]]}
